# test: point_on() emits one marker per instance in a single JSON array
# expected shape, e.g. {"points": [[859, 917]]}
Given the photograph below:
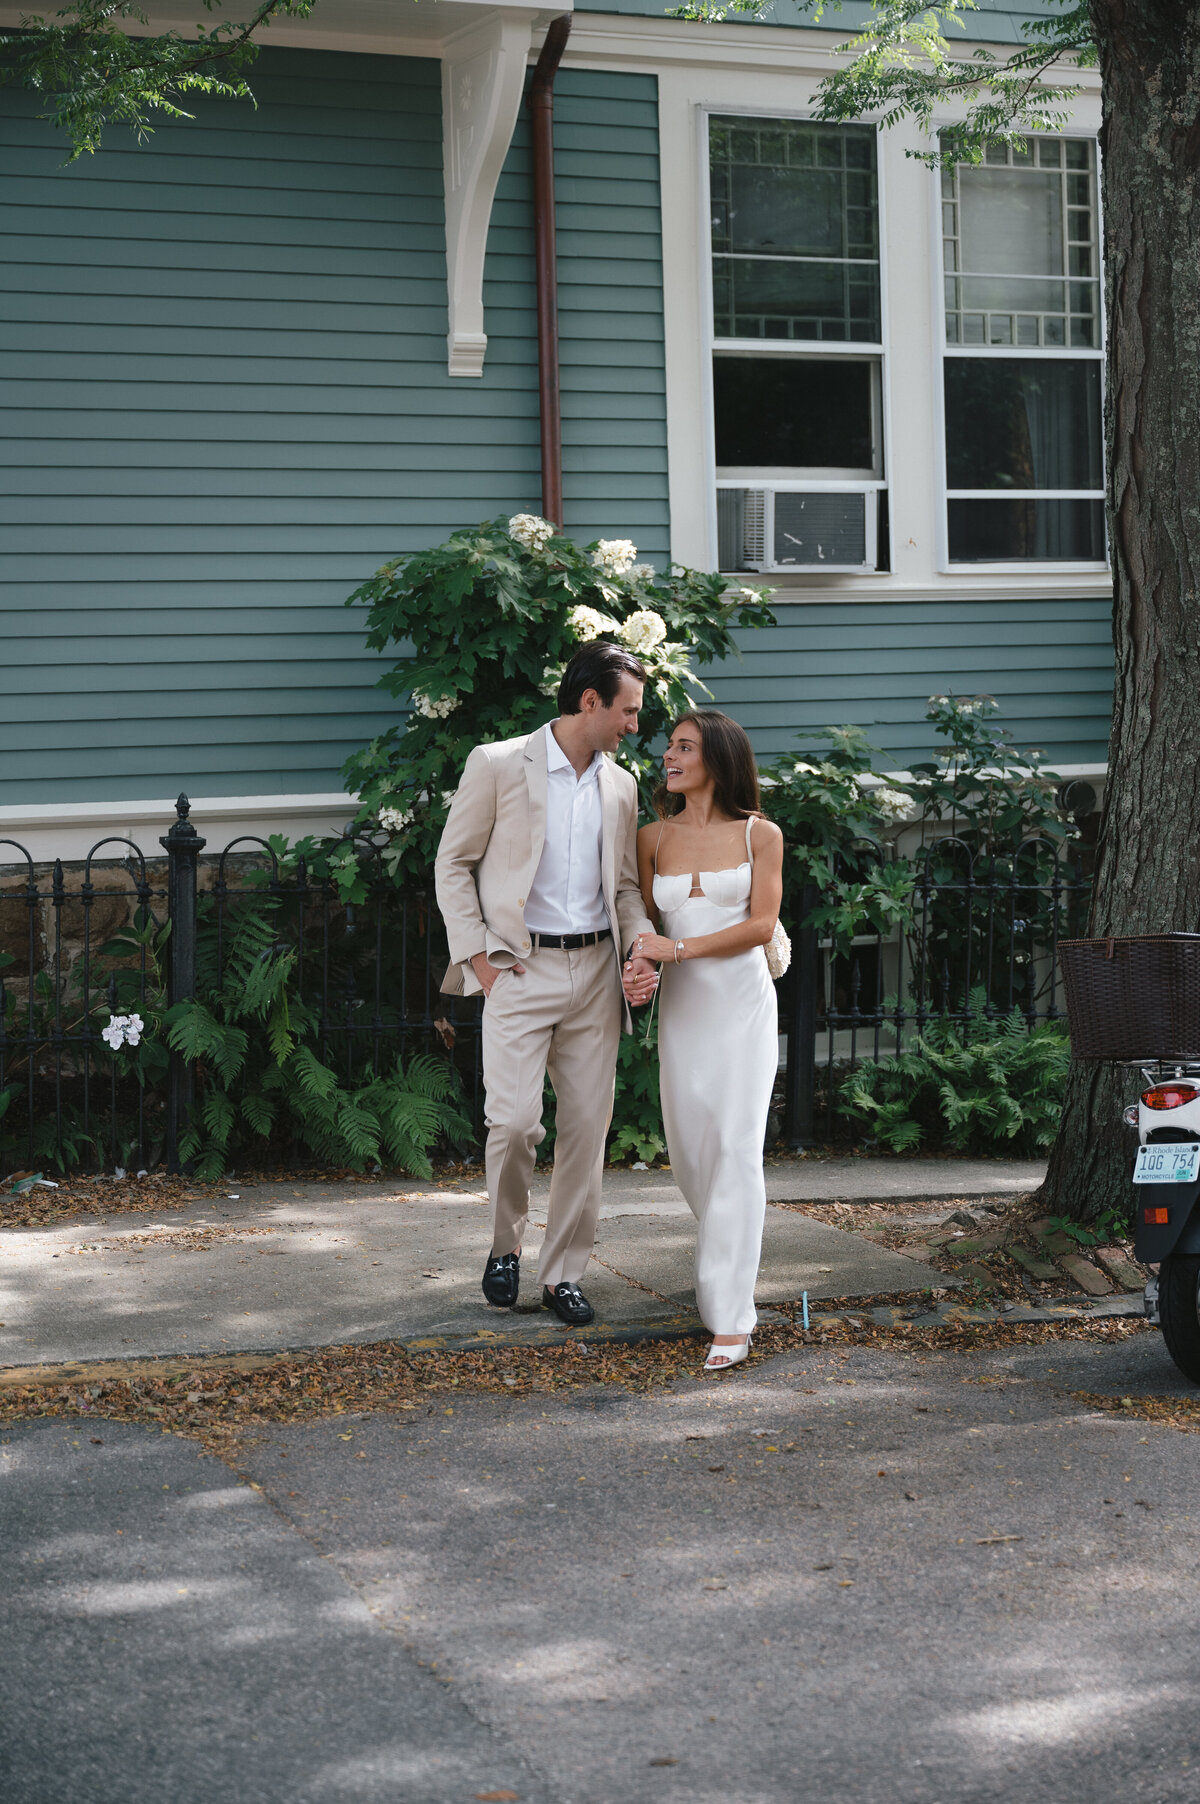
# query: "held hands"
{"points": [[639, 980]]}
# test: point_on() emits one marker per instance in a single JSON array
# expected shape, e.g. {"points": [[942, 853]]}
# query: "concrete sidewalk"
{"points": [[364, 1262]]}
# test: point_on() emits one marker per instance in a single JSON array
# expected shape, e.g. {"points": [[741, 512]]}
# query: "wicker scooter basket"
{"points": [[1133, 1000]]}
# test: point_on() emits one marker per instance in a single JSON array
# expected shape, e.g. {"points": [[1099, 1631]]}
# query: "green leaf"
{"points": [[258, 1112]]}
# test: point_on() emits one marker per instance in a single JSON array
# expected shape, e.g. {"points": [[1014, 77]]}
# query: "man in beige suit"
{"points": [[537, 883]]}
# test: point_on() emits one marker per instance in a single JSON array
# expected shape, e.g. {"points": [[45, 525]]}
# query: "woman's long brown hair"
{"points": [[728, 757]]}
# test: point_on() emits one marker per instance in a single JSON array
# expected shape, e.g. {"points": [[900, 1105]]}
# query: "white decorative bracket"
{"points": [[483, 77]]}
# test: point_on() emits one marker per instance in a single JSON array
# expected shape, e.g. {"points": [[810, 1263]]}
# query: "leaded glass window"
{"points": [[1022, 395], [1019, 246], [795, 230]]}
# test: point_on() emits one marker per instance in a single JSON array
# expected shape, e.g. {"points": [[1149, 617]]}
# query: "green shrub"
{"points": [[127, 1082], [486, 624], [253, 1044], [975, 1087], [637, 1129]]}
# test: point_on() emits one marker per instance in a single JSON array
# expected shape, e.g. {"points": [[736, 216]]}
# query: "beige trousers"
{"points": [[562, 1016]]}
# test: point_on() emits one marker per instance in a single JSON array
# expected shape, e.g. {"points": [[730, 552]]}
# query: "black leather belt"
{"points": [[568, 942]]}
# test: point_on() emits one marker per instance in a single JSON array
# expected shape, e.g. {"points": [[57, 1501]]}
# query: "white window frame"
{"points": [[763, 72], [864, 351], [1071, 353]]}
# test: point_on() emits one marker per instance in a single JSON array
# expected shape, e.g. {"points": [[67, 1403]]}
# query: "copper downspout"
{"points": [[541, 106]]}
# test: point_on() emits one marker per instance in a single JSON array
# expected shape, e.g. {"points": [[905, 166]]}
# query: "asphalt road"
{"points": [[857, 1576]]}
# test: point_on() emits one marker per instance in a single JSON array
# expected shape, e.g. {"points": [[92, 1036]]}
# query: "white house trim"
{"points": [[69, 830], [483, 78]]}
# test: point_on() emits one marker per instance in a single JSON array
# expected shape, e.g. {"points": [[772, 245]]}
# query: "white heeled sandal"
{"points": [[721, 1358]]}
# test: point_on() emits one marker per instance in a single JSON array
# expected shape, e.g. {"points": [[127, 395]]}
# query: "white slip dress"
{"points": [[718, 1053]]}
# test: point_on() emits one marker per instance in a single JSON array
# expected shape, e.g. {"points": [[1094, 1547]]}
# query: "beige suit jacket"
{"points": [[492, 845]]}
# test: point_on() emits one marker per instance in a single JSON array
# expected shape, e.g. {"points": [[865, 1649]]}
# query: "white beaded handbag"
{"points": [[779, 951]]}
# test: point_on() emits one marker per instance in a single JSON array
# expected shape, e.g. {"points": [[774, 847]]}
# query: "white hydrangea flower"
{"points": [[123, 1030], [531, 531], [642, 573], [588, 623], [805, 770], [642, 631], [614, 556], [394, 820], [939, 701], [433, 710], [893, 804]]}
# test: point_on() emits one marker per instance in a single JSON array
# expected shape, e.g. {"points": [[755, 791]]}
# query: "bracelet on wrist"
{"points": [[678, 951]]}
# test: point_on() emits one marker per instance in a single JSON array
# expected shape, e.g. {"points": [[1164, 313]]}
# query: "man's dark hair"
{"points": [[599, 666]]}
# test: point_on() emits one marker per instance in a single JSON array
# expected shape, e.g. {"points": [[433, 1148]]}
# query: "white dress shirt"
{"points": [[566, 894]]}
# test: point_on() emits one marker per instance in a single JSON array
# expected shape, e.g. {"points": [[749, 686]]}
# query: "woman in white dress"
{"points": [[711, 875]]}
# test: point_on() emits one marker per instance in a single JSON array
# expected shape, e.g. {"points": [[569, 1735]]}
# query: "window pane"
{"points": [[794, 230], [1018, 226], [991, 532], [1011, 221], [794, 413], [1022, 423], [786, 212], [757, 298], [1008, 293]]}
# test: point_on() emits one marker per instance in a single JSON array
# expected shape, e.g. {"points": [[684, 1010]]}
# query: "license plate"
{"points": [[1167, 1165]]}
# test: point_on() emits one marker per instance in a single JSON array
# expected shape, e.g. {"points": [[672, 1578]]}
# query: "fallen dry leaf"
{"points": [[214, 1399]]}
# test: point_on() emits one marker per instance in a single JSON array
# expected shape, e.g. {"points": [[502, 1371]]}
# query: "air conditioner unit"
{"points": [[794, 526]]}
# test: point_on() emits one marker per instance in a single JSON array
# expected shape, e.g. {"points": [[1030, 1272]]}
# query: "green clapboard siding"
{"points": [[986, 21], [225, 403], [874, 665]]}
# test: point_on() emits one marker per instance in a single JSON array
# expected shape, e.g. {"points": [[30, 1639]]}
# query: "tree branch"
{"points": [[93, 72], [903, 66]]}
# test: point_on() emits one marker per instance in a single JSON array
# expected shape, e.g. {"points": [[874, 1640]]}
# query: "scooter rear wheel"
{"points": [[1179, 1311]]}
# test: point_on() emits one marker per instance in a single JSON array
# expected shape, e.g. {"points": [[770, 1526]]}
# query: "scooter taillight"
{"points": [[1169, 1096]]}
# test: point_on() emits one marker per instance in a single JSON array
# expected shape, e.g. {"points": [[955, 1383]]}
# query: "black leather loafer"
{"points": [[568, 1303], [502, 1280]]}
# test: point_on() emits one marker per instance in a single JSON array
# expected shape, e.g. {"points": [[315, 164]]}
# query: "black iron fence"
{"points": [[87, 954], [90, 955], [978, 940]]}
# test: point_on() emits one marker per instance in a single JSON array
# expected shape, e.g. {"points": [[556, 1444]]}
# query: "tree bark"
{"points": [[1148, 869]]}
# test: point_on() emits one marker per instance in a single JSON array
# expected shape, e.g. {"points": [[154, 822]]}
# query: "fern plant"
{"points": [[975, 1086], [254, 1045]]}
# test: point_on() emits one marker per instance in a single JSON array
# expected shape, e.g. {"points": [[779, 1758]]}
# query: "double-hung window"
{"points": [[1022, 369], [797, 346]]}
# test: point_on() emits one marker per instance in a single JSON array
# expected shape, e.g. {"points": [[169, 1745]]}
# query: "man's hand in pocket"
{"points": [[487, 973]]}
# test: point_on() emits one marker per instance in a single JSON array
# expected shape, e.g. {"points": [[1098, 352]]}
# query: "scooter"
{"points": [[1166, 1177]]}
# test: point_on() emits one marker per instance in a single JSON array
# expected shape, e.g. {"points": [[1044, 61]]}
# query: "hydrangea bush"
{"points": [[485, 625], [983, 788]]}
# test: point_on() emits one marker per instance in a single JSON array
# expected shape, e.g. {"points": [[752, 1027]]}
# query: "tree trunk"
{"points": [[1148, 871]]}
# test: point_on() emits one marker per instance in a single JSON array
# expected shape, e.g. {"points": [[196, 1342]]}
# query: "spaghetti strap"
{"points": [[658, 842], [749, 847]]}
